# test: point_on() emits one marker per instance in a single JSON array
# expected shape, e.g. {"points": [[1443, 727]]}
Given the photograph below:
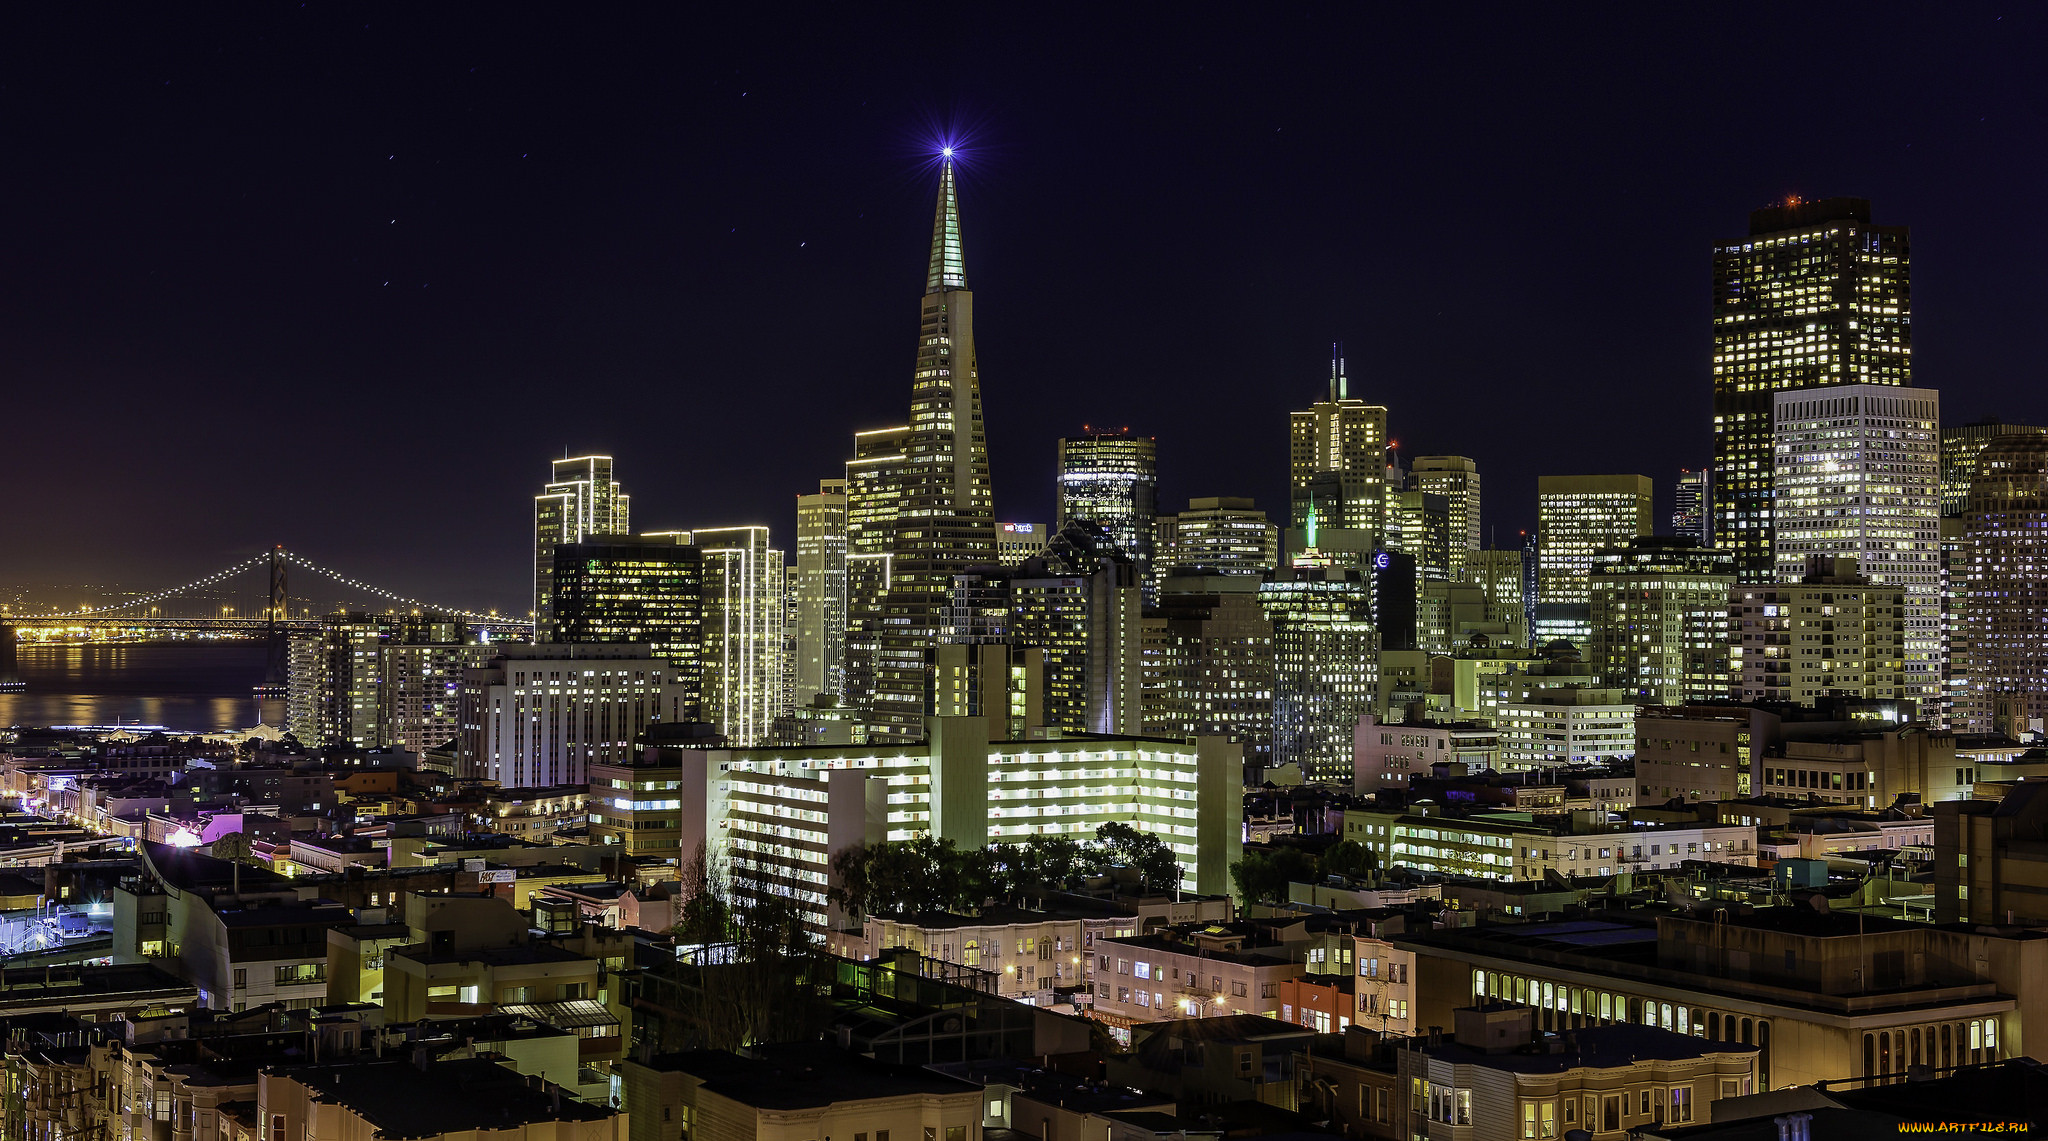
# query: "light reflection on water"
{"points": [[192, 687]]}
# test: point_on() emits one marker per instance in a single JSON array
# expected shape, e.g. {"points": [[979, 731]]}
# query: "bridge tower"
{"points": [[277, 667]]}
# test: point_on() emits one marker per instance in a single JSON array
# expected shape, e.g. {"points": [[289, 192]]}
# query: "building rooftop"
{"points": [[808, 1075], [404, 1100]]}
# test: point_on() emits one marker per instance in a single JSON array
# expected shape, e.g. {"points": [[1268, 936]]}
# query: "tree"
{"points": [[1349, 858], [1124, 846], [750, 962], [234, 847], [1263, 876]]}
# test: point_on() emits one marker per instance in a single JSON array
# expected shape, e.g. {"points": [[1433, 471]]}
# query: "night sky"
{"points": [[346, 278]]}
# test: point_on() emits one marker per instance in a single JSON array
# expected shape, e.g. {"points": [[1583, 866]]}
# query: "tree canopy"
{"points": [[1263, 875], [930, 874]]}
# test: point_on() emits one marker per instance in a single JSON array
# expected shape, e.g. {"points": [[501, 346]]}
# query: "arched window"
{"points": [[1870, 1055], [1884, 1053], [974, 952], [1745, 1032], [1947, 1046], [1913, 1046]]}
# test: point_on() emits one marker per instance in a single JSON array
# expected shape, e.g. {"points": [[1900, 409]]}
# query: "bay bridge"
{"points": [[194, 608]]}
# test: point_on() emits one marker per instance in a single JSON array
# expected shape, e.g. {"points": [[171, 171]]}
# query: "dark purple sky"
{"points": [[347, 278]]}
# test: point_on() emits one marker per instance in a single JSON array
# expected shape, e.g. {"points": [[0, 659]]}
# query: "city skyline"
{"points": [[321, 326]]}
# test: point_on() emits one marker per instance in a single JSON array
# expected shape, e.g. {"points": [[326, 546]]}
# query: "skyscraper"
{"points": [[581, 499], [1815, 295], [821, 548], [874, 491], [1689, 515], [1858, 473], [1660, 620], [1337, 460], [538, 716], [1576, 516], [1325, 665], [1112, 479], [1208, 664], [2006, 596], [1960, 447], [945, 520], [745, 607], [636, 590], [1457, 480], [1217, 535]]}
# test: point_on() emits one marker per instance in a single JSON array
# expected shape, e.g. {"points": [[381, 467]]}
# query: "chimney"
{"points": [[1794, 1127]]}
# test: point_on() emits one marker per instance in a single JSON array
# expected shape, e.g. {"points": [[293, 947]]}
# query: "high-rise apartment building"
{"points": [[1325, 665], [1660, 620], [1858, 473], [2005, 602], [345, 687], [745, 611], [420, 693], [1217, 535], [1208, 664], [1457, 480], [636, 590], [945, 520], [1834, 633], [1337, 460], [1960, 447], [874, 491], [1689, 501], [1111, 479], [820, 586], [1815, 295], [1576, 516], [537, 716], [581, 499]]}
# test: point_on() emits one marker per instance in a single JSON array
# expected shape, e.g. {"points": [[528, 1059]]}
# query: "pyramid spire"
{"points": [[949, 266]]}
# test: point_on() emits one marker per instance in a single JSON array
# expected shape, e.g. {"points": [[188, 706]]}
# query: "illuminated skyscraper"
{"points": [[945, 520], [1208, 664], [1858, 473], [1325, 665], [1112, 479], [1814, 296], [636, 590], [1337, 459], [744, 612], [1457, 480], [1577, 515], [2006, 594], [1689, 498], [1660, 620], [581, 499], [1016, 542], [874, 491], [1217, 535], [1080, 604], [1960, 447], [820, 586]]}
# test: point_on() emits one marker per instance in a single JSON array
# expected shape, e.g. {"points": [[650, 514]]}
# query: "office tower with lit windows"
{"points": [[376, 680], [1689, 499], [1960, 447], [1457, 480], [1217, 535], [1576, 516], [2005, 594], [1660, 620], [1325, 665], [1111, 479], [1016, 542], [1857, 472], [1208, 664], [636, 590], [874, 491], [1080, 604], [541, 715], [745, 609], [1815, 295], [820, 591], [945, 519], [1419, 524], [1337, 460], [580, 499], [1499, 575]]}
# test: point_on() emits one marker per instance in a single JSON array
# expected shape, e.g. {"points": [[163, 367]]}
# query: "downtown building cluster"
{"points": [[1589, 832]]}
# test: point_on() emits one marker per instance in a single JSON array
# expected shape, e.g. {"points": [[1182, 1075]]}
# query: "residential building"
{"points": [[1858, 473], [1495, 1079], [820, 586], [1834, 633], [945, 522], [793, 1092], [581, 499], [1456, 479], [1578, 516], [779, 815], [1814, 295], [2005, 600], [1385, 755], [1549, 727], [1111, 479], [404, 1098], [1660, 627], [419, 695], [1337, 460], [542, 715]]}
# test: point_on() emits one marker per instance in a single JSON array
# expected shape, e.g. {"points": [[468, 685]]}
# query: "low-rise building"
{"points": [[794, 1093], [448, 1100], [1386, 754]]}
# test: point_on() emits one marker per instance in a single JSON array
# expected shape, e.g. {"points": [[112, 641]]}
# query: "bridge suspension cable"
{"points": [[251, 563]]}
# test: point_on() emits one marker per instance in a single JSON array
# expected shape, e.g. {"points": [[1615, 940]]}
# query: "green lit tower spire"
{"points": [[945, 520]]}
